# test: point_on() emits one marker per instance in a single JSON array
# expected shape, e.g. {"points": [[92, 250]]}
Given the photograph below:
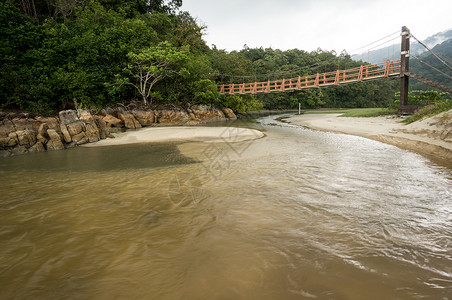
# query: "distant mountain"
{"points": [[438, 38], [425, 63], [393, 51]]}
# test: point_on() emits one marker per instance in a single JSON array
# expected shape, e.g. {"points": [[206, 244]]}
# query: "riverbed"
{"points": [[295, 214]]}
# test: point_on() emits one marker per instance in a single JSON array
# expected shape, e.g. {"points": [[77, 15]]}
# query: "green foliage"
{"points": [[240, 104], [354, 112], [368, 112], [152, 64], [79, 59], [270, 64], [93, 53], [434, 102], [422, 98], [425, 69]]}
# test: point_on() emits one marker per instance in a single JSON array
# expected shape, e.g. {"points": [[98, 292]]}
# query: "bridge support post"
{"points": [[404, 69]]}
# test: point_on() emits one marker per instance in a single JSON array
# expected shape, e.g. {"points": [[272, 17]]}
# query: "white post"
{"points": [[299, 108]]}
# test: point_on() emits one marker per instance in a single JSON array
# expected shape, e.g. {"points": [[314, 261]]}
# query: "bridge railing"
{"points": [[338, 77]]}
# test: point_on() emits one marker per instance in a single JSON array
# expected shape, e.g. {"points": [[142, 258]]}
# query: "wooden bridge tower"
{"points": [[404, 70]]}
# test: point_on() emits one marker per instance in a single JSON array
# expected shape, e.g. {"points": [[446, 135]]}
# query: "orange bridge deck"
{"points": [[340, 77]]}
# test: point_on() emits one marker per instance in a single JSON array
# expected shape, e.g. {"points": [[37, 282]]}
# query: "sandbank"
{"points": [[180, 133], [431, 137]]}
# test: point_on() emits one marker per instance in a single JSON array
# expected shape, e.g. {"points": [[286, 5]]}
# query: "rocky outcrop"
{"points": [[129, 120], [144, 117], [24, 133]]}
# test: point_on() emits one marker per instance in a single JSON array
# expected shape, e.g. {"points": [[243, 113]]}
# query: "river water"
{"points": [[298, 214]]}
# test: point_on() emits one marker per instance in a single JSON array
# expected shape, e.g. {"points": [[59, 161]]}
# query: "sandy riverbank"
{"points": [[181, 133], [431, 137]]}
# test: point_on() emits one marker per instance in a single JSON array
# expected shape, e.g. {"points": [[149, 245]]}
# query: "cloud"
{"points": [[307, 25]]}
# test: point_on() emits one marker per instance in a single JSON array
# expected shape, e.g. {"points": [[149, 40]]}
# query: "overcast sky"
{"points": [[309, 24]]}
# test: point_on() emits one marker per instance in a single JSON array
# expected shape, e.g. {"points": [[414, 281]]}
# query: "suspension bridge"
{"points": [[338, 77], [365, 72]]}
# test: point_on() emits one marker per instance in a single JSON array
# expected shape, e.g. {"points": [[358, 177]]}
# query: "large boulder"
{"points": [[102, 127], [6, 142], [38, 147], [78, 127], [145, 118], [171, 117], [229, 113], [129, 120], [42, 136], [68, 116], [111, 121], [52, 122], [27, 138], [6, 127], [25, 124], [204, 114], [55, 142]]}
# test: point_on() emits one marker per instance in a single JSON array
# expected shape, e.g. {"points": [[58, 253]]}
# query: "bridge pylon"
{"points": [[404, 70]]}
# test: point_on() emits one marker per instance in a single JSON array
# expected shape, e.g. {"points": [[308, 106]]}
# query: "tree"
{"points": [[153, 64]]}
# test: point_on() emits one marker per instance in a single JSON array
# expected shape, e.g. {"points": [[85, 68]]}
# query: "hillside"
{"points": [[420, 66], [393, 51]]}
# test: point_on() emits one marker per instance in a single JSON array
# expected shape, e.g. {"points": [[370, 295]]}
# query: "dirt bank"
{"points": [[430, 137]]}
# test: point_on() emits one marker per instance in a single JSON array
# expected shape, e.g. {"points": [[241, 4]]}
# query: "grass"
{"points": [[354, 112], [429, 111]]}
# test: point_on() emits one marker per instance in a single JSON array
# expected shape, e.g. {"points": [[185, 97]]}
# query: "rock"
{"points": [[67, 137], [129, 120], [19, 150], [112, 121], [201, 107], [26, 138], [211, 115], [4, 141], [68, 117], [171, 117], [54, 142], [6, 128], [42, 139], [120, 110], [79, 139], [145, 118], [24, 124], [229, 113], [102, 127], [7, 142], [102, 112], [76, 128], [92, 132], [52, 123], [38, 147], [15, 140], [85, 116], [109, 111], [53, 135], [42, 130]]}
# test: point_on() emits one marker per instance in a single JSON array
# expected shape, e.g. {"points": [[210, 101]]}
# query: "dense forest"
{"points": [[59, 54]]}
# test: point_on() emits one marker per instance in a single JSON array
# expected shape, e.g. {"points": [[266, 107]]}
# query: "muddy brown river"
{"points": [[298, 214]]}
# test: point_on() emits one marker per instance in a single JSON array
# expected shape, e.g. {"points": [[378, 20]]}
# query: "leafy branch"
{"points": [[153, 64]]}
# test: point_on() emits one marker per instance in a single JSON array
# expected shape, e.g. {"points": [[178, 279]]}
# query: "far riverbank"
{"points": [[431, 137]]}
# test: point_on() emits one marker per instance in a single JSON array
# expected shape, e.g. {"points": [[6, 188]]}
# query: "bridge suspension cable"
{"points": [[431, 51], [432, 67], [387, 39]]}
